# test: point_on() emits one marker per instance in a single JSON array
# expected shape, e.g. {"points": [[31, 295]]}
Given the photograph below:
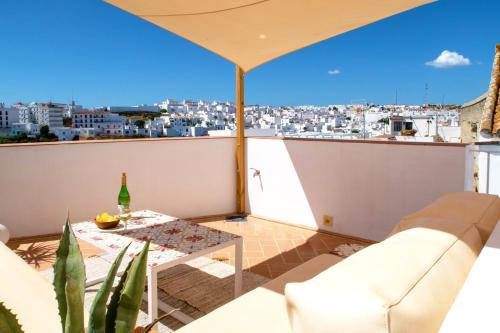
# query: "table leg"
{"points": [[152, 294], [238, 267]]}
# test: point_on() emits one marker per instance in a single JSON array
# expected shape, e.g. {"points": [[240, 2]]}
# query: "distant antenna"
{"points": [[426, 94], [396, 97]]}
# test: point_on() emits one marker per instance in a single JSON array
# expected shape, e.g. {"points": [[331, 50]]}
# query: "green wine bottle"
{"points": [[124, 196]]}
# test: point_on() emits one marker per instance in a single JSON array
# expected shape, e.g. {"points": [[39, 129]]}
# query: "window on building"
{"points": [[398, 126], [408, 125]]}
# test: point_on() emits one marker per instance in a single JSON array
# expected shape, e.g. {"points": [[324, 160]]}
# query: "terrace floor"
{"points": [[269, 248]]}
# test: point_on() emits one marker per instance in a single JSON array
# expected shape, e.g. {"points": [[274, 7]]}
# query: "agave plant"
{"points": [[120, 315], [8, 321]]}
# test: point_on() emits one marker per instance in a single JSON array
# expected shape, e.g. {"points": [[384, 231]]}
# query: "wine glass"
{"points": [[124, 215]]}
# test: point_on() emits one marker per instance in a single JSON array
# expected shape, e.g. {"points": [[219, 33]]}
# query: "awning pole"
{"points": [[240, 141]]}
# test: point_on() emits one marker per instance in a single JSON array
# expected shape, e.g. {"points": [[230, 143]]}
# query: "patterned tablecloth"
{"points": [[171, 238]]}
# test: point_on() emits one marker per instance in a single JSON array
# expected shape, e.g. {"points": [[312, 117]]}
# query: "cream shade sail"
{"points": [[250, 33]]}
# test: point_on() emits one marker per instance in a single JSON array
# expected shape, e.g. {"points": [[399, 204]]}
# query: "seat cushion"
{"points": [[482, 210], [262, 309], [406, 284], [27, 294]]}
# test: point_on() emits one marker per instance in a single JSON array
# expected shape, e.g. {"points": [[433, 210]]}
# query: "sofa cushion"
{"points": [[406, 283], [27, 294], [482, 210], [262, 309]]}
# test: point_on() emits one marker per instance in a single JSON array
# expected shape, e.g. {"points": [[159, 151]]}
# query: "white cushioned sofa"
{"points": [[407, 283]]}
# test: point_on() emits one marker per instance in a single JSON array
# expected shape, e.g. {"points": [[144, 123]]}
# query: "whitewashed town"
{"points": [[50, 121]]}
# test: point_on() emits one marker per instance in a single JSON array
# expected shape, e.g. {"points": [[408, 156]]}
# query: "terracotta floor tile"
{"points": [[256, 261], [261, 269], [252, 245], [285, 244], [270, 249], [268, 242], [316, 243], [253, 254], [291, 257]]}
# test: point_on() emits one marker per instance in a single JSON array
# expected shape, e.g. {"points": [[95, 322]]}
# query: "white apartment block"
{"points": [[131, 130], [26, 114], [90, 119], [110, 128], [49, 114], [8, 116], [103, 122]]}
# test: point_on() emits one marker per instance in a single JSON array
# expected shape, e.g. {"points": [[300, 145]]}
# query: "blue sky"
{"points": [[56, 49]]}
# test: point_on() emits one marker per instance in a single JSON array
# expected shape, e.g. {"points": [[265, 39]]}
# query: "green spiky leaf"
{"points": [[69, 281], [97, 314], [132, 293], [60, 273], [113, 303], [8, 321], [75, 286]]}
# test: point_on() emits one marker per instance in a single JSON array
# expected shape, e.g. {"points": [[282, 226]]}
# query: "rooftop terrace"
{"points": [[366, 186]]}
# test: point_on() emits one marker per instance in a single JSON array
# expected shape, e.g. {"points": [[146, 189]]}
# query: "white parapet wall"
{"points": [[366, 186], [179, 177], [488, 160]]}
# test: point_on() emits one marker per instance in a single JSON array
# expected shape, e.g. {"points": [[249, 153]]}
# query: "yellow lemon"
{"points": [[105, 217]]}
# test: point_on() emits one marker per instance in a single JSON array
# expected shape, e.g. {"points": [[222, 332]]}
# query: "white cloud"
{"points": [[449, 59], [333, 72]]}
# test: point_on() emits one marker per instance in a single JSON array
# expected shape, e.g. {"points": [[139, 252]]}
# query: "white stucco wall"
{"points": [[178, 177], [366, 187]]}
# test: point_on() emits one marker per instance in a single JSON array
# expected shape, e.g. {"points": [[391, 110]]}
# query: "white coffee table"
{"points": [[173, 242]]}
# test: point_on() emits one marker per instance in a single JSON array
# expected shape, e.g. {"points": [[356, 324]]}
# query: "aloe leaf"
{"points": [[113, 303], [60, 273], [97, 314], [8, 321], [132, 293], [75, 285]]}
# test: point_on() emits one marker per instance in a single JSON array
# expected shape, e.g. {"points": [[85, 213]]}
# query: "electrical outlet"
{"points": [[328, 220]]}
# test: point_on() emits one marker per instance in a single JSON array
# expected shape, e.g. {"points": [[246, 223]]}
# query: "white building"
{"points": [[26, 114], [69, 109], [66, 133], [90, 119], [103, 122], [49, 114], [8, 116], [87, 132], [427, 126], [171, 105], [109, 129], [398, 124], [28, 128], [131, 130]]}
